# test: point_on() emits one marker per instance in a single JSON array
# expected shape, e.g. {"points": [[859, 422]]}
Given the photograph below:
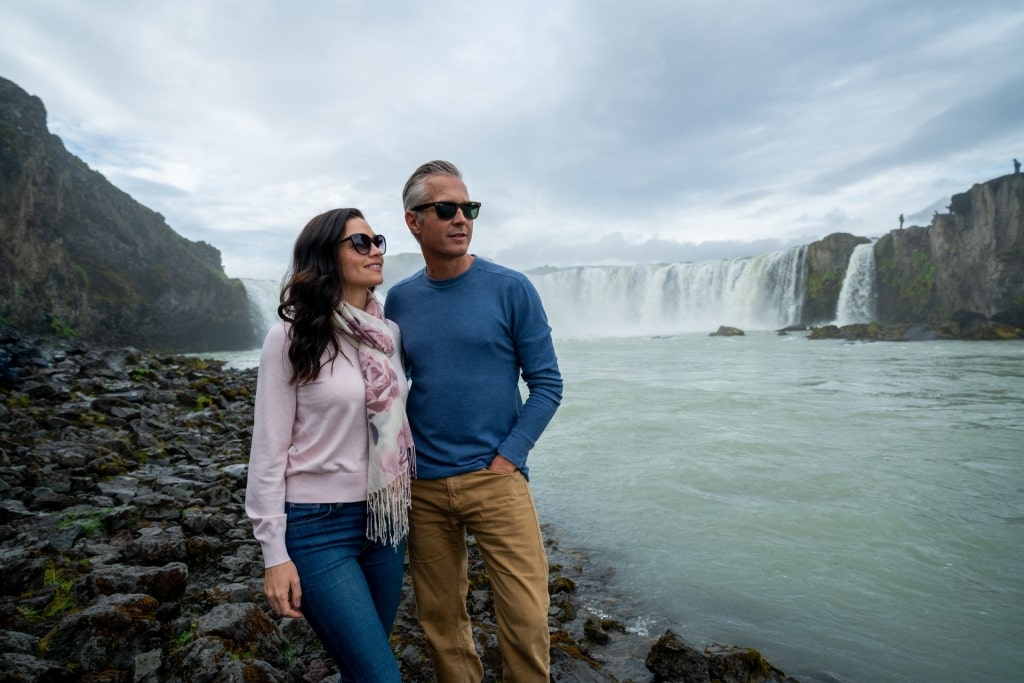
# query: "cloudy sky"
{"points": [[592, 131]]}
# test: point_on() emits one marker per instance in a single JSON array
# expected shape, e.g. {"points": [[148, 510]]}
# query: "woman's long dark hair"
{"points": [[312, 292]]}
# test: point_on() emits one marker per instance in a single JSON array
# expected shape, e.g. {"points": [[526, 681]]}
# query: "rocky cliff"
{"points": [[827, 260], [79, 256], [969, 259]]}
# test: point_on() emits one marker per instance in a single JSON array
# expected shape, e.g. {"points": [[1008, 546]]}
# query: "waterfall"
{"points": [[263, 298], [758, 293], [762, 292], [857, 295]]}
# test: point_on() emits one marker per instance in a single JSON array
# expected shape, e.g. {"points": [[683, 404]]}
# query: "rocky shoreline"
{"points": [[125, 555]]}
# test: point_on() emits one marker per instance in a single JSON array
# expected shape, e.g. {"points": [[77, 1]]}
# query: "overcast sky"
{"points": [[592, 131]]}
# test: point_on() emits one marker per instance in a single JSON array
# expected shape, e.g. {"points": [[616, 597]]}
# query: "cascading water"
{"points": [[857, 296], [263, 298], [763, 292]]}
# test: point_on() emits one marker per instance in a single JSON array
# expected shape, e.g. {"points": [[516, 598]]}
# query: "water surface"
{"points": [[853, 510]]}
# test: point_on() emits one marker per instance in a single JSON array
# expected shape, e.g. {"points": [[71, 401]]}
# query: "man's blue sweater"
{"points": [[466, 341]]}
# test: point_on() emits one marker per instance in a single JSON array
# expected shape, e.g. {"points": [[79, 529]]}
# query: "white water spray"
{"points": [[263, 298], [758, 293], [857, 296], [763, 292]]}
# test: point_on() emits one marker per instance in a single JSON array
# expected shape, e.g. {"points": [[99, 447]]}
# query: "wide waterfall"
{"points": [[762, 292], [857, 295]]}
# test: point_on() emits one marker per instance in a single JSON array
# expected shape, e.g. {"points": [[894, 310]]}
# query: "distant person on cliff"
{"points": [[901, 221], [1016, 166], [470, 329], [332, 454]]}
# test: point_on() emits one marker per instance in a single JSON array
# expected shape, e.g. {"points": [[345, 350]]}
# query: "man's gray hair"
{"points": [[414, 193]]}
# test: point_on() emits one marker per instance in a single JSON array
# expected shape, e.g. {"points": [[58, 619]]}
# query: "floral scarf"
{"points": [[392, 463]]}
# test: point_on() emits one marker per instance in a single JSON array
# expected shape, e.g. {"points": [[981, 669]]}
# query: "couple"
{"points": [[347, 456]]}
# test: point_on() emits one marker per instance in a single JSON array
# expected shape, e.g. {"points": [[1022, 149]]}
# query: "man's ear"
{"points": [[411, 222]]}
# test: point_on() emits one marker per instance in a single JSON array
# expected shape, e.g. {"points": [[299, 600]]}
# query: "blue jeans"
{"points": [[350, 586]]}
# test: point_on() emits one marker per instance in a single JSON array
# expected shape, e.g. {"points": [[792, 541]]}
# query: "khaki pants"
{"points": [[498, 510]]}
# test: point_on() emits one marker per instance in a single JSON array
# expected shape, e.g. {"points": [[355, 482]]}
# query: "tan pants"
{"points": [[498, 510]]}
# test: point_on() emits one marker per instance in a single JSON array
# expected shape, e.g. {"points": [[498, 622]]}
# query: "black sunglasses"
{"points": [[446, 210], [361, 242]]}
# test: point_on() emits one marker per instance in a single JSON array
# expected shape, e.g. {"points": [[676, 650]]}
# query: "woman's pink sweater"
{"points": [[309, 443]]}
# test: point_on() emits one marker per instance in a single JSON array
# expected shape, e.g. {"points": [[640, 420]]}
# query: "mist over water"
{"points": [[264, 296], [855, 511], [763, 292]]}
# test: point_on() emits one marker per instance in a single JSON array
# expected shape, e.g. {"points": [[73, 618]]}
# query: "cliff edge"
{"points": [[968, 261], [80, 257]]}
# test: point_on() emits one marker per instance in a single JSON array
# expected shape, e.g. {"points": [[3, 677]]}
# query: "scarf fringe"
{"points": [[386, 521]]}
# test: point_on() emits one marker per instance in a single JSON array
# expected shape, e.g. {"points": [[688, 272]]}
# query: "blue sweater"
{"points": [[466, 340]]}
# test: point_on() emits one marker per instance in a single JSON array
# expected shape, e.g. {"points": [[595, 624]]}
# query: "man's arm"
{"points": [[539, 369]]}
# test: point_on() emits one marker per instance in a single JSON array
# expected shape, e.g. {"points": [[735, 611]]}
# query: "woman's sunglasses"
{"points": [[361, 242], [446, 210]]}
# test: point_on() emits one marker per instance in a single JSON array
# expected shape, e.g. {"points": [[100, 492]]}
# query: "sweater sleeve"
{"points": [[539, 367], [273, 417]]}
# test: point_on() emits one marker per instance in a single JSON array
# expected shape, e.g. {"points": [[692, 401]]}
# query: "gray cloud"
{"points": [[991, 118], [645, 131]]}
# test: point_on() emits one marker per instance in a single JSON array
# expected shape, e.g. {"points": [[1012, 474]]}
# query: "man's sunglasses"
{"points": [[361, 242], [446, 210]]}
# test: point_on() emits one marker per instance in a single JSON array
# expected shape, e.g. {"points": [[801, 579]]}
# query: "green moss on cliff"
{"points": [[909, 283], [8, 136], [822, 293], [824, 284]]}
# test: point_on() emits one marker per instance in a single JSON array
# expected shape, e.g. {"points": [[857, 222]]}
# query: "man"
{"points": [[470, 329]]}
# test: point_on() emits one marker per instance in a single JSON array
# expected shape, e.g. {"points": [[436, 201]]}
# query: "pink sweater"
{"points": [[309, 443]]}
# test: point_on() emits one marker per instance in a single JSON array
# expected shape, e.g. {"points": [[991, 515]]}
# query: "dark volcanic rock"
{"points": [[727, 331], [969, 259], [827, 260]]}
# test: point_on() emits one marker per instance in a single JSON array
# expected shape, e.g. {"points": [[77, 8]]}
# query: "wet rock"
{"points": [[19, 667], [108, 634], [731, 664], [672, 660], [595, 632], [145, 667], [166, 584], [247, 628]]}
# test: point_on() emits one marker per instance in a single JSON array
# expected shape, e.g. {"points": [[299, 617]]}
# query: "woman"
{"points": [[332, 455]]}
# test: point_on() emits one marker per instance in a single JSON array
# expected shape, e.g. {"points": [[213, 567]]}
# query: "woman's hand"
{"points": [[281, 586]]}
